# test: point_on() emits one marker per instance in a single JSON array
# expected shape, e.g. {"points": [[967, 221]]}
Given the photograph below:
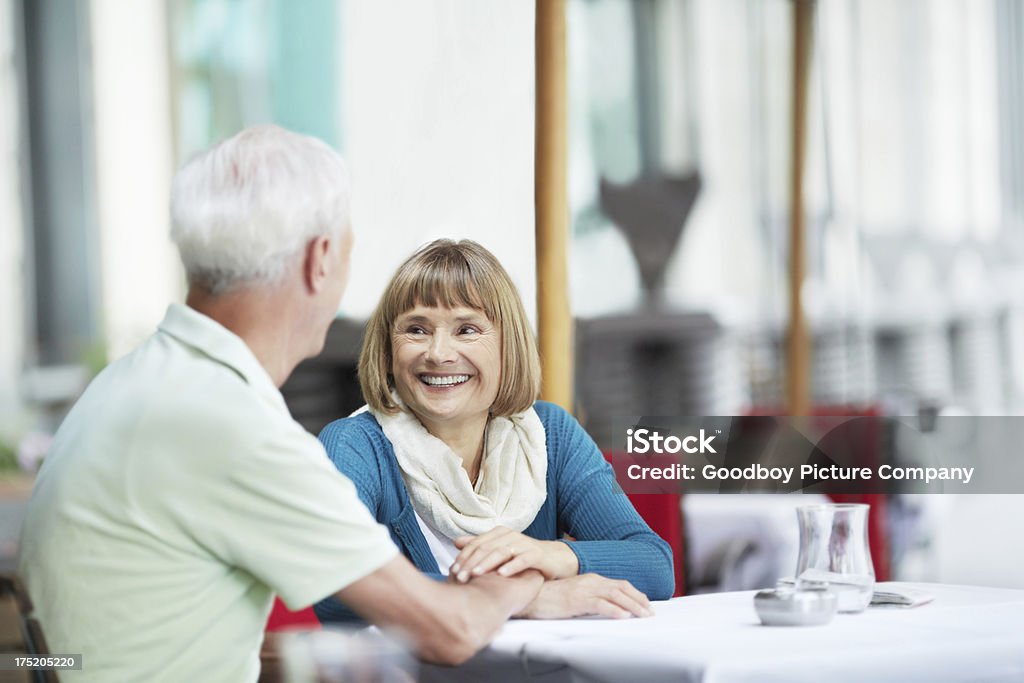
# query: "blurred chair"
{"points": [[843, 357], [324, 388], [19, 631], [654, 363], [283, 619], [742, 541]]}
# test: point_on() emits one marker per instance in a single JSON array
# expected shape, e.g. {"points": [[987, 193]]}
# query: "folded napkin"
{"points": [[891, 595]]}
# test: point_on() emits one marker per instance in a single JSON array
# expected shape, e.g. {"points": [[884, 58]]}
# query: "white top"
{"points": [[441, 547], [967, 634], [178, 497]]}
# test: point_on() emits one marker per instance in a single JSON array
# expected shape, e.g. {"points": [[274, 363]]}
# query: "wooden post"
{"points": [[798, 347], [554, 321]]}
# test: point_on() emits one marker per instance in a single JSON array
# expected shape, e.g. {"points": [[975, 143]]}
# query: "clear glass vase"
{"points": [[834, 551]]}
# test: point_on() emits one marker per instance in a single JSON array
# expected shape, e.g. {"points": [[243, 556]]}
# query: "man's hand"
{"points": [[510, 552], [588, 594], [446, 623]]}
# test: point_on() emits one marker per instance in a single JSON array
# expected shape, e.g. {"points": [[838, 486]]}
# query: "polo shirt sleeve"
{"points": [[283, 513]]}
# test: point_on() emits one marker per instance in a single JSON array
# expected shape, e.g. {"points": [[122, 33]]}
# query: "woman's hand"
{"points": [[510, 552], [585, 595]]}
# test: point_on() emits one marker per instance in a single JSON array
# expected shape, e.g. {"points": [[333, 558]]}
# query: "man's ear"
{"points": [[315, 266]]}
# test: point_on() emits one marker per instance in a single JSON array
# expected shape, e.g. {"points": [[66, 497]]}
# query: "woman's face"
{"points": [[446, 364]]}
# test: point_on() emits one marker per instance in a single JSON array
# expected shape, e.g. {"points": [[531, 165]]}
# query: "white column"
{"points": [[13, 274], [134, 161], [437, 101]]}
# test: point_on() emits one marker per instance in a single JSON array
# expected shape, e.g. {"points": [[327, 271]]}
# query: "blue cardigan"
{"points": [[583, 501]]}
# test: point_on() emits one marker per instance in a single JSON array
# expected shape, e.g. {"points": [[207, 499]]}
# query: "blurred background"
{"points": [[679, 150]]}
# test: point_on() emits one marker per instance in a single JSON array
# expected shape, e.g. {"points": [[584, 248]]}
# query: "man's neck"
{"points": [[260, 317]]}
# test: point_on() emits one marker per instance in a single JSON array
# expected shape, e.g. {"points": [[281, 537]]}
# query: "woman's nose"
{"points": [[441, 348]]}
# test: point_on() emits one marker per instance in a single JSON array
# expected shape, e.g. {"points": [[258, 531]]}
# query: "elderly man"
{"points": [[180, 495]]}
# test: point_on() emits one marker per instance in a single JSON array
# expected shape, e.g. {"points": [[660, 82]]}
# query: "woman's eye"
{"points": [[415, 329], [468, 329]]}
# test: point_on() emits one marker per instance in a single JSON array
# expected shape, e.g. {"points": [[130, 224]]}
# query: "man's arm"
{"points": [[447, 624]]}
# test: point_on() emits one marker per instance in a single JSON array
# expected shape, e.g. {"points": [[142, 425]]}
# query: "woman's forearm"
{"points": [[647, 563]]}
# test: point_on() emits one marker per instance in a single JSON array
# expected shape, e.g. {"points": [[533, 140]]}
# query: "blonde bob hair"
{"points": [[449, 274]]}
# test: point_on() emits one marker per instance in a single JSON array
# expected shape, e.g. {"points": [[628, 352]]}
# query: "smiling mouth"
{"points": [[444, 380]]}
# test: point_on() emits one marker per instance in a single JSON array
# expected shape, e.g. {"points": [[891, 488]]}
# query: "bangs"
{"points": [[445, 279]]}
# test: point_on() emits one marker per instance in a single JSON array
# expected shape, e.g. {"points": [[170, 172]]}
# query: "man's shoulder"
{"points": [[162, 362], [165, 387]]}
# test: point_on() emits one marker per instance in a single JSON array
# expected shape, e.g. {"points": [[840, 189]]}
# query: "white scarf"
{"points": [[510, 489]]}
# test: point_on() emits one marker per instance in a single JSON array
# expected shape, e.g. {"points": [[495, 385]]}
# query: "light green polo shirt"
{"points": [[178, 498]]}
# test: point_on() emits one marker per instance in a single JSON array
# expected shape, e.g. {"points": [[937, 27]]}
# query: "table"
{"points": [[967, 634]]}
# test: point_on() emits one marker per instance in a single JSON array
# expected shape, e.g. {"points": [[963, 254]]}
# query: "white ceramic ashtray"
{"points": [[810, 606]]}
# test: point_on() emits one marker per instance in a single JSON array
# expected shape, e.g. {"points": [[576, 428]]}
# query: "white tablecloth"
{"points": [[966, 634]]}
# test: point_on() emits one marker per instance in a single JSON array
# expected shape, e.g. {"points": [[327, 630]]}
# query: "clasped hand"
{"points": [[509, 552], [586, 595], [565, 593]]}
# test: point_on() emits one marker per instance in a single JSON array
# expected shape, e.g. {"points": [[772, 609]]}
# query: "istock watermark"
{"points": [[646, 441], [833, 454]]}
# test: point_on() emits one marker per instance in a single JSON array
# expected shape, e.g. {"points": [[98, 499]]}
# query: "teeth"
{"points": [[448, 380]]}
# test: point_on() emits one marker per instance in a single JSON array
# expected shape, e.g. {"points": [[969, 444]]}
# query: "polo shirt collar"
{"points": [[206, 335]]}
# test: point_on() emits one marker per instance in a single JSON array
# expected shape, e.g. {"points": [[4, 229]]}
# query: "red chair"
{"points": [[663, 512], [878, 537], [869, 446], [661, 509], [283, 619]]}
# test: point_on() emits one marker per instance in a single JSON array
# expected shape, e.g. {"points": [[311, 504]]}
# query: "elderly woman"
{"points": [[468, 471]]}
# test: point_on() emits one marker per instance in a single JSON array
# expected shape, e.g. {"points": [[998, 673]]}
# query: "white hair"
{"points": [[243, 211]]}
